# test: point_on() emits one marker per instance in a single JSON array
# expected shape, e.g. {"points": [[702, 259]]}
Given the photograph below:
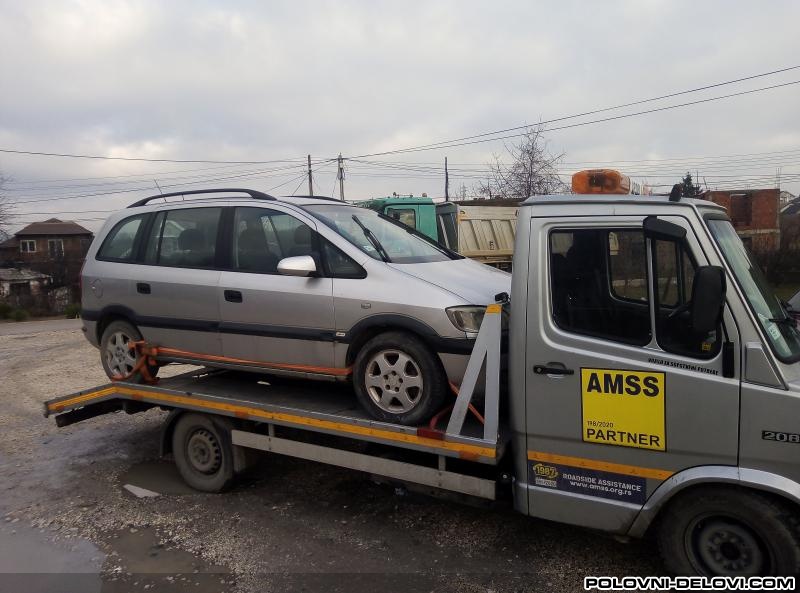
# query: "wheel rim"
{"points": [[203, 452], [394, 381], [725, 546], [120, 359]]}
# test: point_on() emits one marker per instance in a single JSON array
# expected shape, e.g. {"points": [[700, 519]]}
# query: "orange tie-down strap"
{"points": [[148, 355]]}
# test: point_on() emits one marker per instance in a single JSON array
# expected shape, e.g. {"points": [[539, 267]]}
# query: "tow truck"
{"points": [[652, 384]]}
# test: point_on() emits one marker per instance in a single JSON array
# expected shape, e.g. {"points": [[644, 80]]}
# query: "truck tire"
{"points": [[203, 452], [722, 531], [398, 379], [117, 359]]}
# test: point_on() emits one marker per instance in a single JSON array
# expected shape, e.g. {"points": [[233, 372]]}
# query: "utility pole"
{"points": [[310, 179], [446, 182], [340, 177]]}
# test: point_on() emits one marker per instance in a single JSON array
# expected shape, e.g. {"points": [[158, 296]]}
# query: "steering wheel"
{"points": [[682, 309]]}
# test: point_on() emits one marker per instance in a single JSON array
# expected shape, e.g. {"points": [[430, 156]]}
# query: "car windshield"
{"points": [[779, 327], [376, 236]]}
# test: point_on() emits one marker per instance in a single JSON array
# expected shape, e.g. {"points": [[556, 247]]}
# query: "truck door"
{"points": [[620, 393]]}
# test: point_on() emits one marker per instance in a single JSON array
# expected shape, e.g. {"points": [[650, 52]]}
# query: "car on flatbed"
{"points": [[307, 287]]}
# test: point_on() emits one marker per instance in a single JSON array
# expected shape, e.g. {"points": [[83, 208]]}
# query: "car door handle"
{"points": [[233, 296], [541, 369], [142, 288]]}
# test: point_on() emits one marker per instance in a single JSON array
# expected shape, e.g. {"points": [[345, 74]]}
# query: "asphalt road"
{"points": [[68, 523]]}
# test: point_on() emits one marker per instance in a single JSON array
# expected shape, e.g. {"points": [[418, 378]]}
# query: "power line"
{"points": [[18, 201], [482, 137], [464, 138]]}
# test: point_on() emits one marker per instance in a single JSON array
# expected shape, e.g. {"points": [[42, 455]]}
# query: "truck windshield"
{"points": [[376, 236], [780, 328]]}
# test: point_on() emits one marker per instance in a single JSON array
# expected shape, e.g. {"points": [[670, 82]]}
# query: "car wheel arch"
{"points": [[111, 314], [368, 328]]}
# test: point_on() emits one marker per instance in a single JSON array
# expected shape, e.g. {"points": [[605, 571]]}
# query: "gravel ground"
{"points": [[289, 525]]}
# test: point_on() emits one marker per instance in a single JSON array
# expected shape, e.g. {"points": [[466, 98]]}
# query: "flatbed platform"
{"points": [[328, 408]]}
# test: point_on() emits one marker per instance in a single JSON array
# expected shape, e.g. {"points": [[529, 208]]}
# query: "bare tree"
{"points": [[532, 170]]}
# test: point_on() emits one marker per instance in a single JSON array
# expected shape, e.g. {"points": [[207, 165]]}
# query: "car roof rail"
{"points": [[255, 194], [326, 198]]}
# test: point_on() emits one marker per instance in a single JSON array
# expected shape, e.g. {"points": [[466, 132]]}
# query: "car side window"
{"points": [[338, 264], [598, 283], [119, 244], [262, 237], [674, 271], [185, 238]]}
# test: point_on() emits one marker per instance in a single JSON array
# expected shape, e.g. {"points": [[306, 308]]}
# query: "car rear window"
{"points": [[119, 244]]}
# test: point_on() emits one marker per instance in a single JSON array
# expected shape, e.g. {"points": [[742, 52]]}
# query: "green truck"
{"points": [[479, 229]]}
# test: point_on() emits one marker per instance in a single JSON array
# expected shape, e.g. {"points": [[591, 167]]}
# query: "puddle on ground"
{"points": [[158, 476], [31, 561], [138, 562]]}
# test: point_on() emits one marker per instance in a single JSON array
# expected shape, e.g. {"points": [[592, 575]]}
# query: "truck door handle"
{"points": [[142, 288], [541, 369], [233, 296]]}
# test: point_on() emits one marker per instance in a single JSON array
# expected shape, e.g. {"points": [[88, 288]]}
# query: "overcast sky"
{"points": [[264, 81]]}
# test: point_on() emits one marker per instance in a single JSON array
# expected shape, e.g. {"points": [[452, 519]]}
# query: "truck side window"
{"points": [[598, 283], [674, 272], [405, 215]]}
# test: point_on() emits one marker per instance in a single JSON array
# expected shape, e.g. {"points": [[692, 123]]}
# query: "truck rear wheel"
{"points": [[730, 532], [398, 379], [203, 452]]}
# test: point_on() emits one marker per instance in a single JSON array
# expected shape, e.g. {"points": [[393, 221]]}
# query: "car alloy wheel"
{"points": [[121, 359], [394, 381]]}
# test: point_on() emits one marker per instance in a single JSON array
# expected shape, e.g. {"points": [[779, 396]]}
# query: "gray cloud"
{"points": [[260, 81]]}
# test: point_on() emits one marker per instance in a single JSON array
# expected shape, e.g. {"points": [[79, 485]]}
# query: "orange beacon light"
{"points": [[600, 181]]}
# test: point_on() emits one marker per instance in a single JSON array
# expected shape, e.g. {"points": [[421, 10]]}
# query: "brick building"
{"points": [[53, 247], [755, 215]]}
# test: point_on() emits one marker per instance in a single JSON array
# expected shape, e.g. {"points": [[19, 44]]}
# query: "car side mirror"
{"points": [[708, 297], [300, 265]]}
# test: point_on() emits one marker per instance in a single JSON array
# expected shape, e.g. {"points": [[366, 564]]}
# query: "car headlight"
{"points": [[467, 319]]}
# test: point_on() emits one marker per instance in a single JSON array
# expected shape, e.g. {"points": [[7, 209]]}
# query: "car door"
{"points": [[174, 286], [619, 395], [267, 317]]}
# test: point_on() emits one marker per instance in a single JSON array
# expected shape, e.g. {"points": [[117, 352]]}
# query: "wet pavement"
{"points": [[69, 523]]}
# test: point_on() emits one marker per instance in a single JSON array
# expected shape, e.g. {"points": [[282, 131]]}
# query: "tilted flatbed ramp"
{"points": [[327, 408]]}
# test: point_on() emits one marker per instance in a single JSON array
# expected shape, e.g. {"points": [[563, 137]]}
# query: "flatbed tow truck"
{"points": [[653, 383]]}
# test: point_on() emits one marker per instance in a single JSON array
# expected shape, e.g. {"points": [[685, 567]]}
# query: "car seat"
{"points": [[253, 251], [191, 249]]}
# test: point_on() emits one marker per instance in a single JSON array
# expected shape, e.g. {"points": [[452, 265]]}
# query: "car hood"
{"points": [[475, 283]]}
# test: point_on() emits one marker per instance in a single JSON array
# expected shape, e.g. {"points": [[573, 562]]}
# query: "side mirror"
{"points": [[656, 228], [708, 297], [300, 265]]}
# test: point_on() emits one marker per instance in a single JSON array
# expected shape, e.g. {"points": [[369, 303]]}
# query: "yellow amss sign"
{"points": [[623, 408]]}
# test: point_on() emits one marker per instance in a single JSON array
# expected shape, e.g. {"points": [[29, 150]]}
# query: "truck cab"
{"points": [[482, 230], [417, 212], [654, 361]]}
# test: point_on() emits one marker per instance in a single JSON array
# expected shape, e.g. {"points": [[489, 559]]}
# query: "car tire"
{"points": [[203, 452], [398, 379], [729, 532], [117, 359]]}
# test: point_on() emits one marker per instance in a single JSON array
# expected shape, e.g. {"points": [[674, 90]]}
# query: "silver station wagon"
{"points": [[309, 287]]}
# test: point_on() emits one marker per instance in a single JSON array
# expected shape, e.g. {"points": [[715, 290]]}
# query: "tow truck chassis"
{"points": [[277, 416]]}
